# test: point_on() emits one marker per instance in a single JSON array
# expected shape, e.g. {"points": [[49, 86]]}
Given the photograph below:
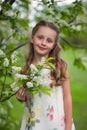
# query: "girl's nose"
{"points": [[44, 42]]}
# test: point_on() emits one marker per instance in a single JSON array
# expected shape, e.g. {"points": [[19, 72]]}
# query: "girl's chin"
{"points": [[42, 53]]}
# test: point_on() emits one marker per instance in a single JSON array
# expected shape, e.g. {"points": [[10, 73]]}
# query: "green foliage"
{"points": [[79, 63], [6, 64], [71, 21], [13, 33], [7, 121]]}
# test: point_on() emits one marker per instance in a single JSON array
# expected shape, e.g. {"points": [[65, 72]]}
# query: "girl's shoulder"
{"points": [[63, 68], [62, 64]]}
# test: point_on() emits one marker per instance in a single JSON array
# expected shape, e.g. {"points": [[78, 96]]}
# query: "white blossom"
{"points": [[29, 84], [45, 71], [77, 28], [20, 77], [2, 54], [38, 80], [13, 85], [15, 69], [15, 89], [33, 68], [14, 57], [6, 62]]}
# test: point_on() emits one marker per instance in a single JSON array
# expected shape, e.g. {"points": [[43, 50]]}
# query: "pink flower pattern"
{"points": [[62, 121], [50, 113]]}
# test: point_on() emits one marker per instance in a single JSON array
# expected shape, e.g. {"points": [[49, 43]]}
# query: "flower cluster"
{"points": [[5, 61], [8, 66], [34, 80], [11, 79]]}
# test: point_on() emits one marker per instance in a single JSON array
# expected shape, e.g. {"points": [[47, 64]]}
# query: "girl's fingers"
{"points": [[21, 94]]}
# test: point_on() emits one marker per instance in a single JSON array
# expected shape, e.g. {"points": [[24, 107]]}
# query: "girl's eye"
{"points": [[40, 37], [50, 41]]}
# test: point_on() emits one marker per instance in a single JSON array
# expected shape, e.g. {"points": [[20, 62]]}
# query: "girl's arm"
{"points": [[67, 103]]}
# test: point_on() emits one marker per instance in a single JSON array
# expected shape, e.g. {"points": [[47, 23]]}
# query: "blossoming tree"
{"points": [[12, 80]]}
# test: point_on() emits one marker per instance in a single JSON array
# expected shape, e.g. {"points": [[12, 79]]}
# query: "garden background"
{"points": [[17, 17]]}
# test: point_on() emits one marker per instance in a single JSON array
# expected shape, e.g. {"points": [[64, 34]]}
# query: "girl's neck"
{"points": [[37, 59]]}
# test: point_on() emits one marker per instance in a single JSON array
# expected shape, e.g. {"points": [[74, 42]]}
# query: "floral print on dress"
{"points": [[50, 112], [55, 129], [31, 119], [62, 121]]}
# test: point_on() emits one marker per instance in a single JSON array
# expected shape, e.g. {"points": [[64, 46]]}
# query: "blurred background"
{"points": [[17, 17]]}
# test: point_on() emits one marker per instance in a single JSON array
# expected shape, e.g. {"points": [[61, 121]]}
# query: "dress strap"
{"points": [[58, 65], [59, 69]]}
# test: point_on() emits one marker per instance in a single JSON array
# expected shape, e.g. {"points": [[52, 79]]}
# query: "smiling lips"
{"points": [[41, 48]]}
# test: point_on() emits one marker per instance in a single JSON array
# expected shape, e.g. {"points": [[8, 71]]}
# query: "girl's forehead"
{"points": [[46, 30]]}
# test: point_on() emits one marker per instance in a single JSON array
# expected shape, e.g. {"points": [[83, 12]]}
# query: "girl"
{"points": [[45, 112]]}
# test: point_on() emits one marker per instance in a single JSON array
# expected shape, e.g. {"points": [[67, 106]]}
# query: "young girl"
{"points": [[45, 112]]}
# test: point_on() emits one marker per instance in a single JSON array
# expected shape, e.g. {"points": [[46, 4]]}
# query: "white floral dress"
{"points": [[44, 112]]}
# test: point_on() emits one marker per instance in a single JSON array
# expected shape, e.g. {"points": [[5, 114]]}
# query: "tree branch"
{"points": [[5, 2], [80, 23], [3, 87], [4, 43], [18, 47], [73, 45], [7, 98], [11, 2]]}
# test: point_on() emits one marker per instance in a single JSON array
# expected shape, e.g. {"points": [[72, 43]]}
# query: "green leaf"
{"points": [[45, 90]]}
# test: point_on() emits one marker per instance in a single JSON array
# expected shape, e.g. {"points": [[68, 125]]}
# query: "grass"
{"points": [[78, 91], [17, 111]]}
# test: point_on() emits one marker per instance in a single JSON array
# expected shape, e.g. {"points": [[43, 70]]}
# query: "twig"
{"points": [[80, 23], [7, 39], [2, 100], [18, 47], [3, 83], [71, 45], [5, 2]]}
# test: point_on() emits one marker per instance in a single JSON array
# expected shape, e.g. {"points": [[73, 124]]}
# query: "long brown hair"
{"points": [[58, 74]]}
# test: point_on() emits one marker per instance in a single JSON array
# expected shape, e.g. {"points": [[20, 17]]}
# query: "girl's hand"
{"points": [[21, 95]]}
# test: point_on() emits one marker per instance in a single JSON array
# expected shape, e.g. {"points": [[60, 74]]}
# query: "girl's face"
{"points": [[43, 41]]}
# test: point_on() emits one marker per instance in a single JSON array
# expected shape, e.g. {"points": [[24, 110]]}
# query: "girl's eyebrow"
{"points": [[43, 36], [40, 35]]}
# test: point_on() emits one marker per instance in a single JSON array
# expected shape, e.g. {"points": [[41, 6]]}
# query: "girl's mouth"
{"points": [[41, 48]]}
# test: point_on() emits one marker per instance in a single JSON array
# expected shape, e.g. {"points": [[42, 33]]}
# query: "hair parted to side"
{"points": [[55, 52]]}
